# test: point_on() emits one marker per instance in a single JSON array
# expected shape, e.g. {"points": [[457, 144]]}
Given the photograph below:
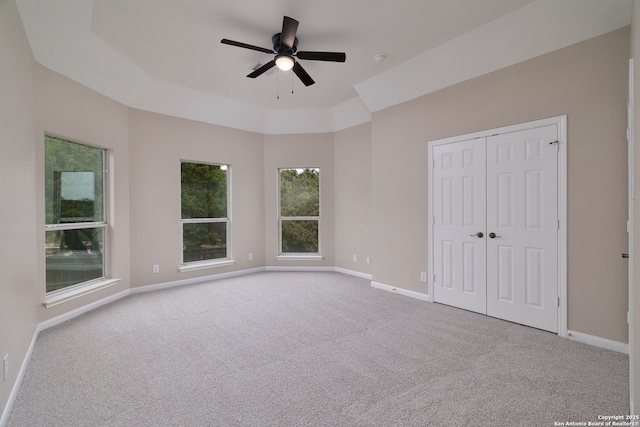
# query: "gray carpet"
{"points": [[308, 349]]}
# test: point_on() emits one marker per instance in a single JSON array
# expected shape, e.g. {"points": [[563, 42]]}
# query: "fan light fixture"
{"points": [[284, 62], [285, 46]]}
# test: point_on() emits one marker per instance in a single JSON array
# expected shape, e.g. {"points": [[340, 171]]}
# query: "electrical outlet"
{"points": [[368, 260], [5, 367], [156, 268], [355, 258], [250, 256], [423, 276]]}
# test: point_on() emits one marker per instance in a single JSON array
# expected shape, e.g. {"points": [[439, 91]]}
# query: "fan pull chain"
{"points": [[291, 82], [278, 94]]}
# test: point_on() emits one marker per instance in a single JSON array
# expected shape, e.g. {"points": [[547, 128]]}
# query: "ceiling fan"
{"points": [[285, 48]]}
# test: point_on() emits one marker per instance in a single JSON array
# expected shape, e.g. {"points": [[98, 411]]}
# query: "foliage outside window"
{"points": [[205, 218], [75, 220], [299, 211]]}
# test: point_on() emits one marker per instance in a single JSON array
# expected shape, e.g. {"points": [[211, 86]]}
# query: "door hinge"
{"points": [[628, 134], [558, 224], [433, 279], [558, 301]]}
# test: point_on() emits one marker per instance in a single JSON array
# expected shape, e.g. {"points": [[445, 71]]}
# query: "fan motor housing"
{"points": [[283, 50]]}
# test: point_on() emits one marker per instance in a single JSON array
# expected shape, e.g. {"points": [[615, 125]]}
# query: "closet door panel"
{"points": [[522, 227], [459, 184]]}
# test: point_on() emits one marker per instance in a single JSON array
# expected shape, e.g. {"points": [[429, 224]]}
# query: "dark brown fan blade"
{"points": [[289, 29], [302, 74], [323, 56], [264, 68], [246, 46]]}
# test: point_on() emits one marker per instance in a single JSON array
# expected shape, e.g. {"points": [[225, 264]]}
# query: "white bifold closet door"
{"points": [[496, 226], [459, 200]]}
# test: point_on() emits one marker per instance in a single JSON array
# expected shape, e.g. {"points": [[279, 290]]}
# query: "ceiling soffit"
{"points": [[97, 45]]}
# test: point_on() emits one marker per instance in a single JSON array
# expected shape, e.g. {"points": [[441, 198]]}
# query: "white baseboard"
{"points": [[405, 292], [82, 310], [353, 273], [165, 285], [296, 268], [617, 346], [572, 335], [320, 269], [16, 386], [184, 282]]}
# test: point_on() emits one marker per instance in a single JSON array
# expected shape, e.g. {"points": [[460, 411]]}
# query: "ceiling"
{"points": [[166, 55]]}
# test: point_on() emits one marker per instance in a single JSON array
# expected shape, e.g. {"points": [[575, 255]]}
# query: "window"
{"points": [[205, 213], [75, 214], [299, 218]]}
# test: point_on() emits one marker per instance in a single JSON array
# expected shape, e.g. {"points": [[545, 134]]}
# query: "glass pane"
{"points": [[204, 241], [300, 236], [74, 182], [300, 192], [204, 190], [73, 256]]}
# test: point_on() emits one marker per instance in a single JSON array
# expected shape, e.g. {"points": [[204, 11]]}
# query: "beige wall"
{"points": [[352, 153], [19, 249], [299, 151], [588, 83], [158, 144]]}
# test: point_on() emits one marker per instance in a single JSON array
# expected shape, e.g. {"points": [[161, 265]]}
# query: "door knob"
{"points": [[478, 234], [493, 235], [625, 255]]}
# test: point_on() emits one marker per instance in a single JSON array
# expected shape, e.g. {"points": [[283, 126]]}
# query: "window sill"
{"points": [[300, 257], [192, 266], [64, 295]]}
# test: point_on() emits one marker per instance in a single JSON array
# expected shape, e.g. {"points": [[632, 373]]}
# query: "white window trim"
{"points": [[71, 292], [209, 263], [75, 226], [299, 257], [75, 291], [201, 265], [295, 256]]}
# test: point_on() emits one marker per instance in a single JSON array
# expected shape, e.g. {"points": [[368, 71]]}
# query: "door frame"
{"points": [[561, 122]]}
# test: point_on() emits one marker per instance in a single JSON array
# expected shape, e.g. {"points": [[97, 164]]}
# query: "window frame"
{"points": [[214, 262], [299, 256], [67, 293]]}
